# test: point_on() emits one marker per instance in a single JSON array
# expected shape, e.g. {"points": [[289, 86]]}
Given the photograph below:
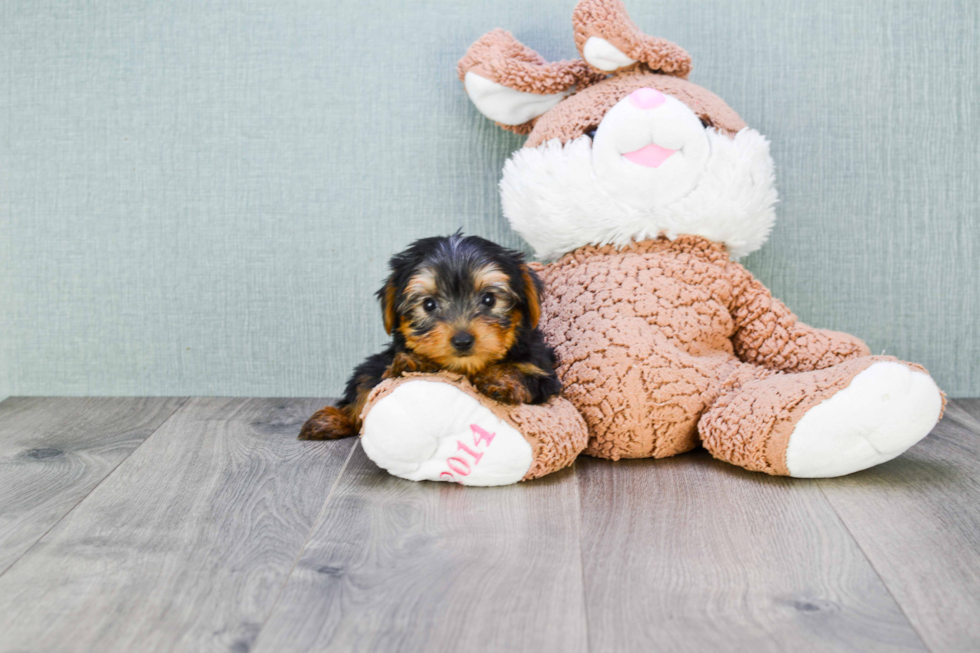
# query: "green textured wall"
{"points": [[199, 197]]}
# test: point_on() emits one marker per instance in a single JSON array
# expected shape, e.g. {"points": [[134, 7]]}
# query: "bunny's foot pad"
{"points": [[429, 430]]}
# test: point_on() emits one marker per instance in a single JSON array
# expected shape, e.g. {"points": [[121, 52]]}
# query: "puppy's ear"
{"points": [[533, 288], [387, 296]]}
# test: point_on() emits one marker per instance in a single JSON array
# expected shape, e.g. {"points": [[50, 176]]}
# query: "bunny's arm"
{"points": [[767, 333]]}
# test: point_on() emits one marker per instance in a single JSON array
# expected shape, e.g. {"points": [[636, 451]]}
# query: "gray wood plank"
{"points": [[53, 451], [186, 546], [917, 518], [400, 566], [692, 554]]}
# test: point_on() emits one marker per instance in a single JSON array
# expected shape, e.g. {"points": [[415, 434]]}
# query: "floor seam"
{"points": [[183, 402], [581, 558], [871, 564], [309, 536]]}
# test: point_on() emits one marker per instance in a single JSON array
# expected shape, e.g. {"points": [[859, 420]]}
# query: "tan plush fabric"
{"points": [[608, 19], [662, 65], [555, 430], [647, 341], [501, 58], [751, 422], [584, 110], [769, 334]]}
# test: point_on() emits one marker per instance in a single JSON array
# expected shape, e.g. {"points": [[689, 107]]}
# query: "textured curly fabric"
{"points": [[502, 59], [751, 422], [608, 19], [556, 431], [647, 339], [767, 333], [586, 108]]}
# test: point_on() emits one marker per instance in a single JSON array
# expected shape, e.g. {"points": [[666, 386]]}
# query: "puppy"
{"points": [[457, 303]]}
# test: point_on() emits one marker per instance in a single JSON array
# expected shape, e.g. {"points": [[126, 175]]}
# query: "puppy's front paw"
{"points": [[402, 363], [504, 384], [407, 363]]}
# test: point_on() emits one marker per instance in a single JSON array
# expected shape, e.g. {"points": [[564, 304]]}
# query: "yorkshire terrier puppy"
{"points": [[457, 303]]}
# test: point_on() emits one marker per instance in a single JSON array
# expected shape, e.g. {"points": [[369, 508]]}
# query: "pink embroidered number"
{"points": [[481, 435], [459, 464], [462, 447]]}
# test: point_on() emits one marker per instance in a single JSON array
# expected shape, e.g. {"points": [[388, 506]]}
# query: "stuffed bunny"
{"points": [[639, 190]]}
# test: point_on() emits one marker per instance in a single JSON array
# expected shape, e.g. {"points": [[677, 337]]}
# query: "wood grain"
{"points": [[220, 533], [917, 518], [54, 451], [691, 554], [186, 546], [400, 566]]}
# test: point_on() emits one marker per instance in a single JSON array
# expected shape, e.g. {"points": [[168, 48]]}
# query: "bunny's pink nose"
{"points": [[647, 98]]}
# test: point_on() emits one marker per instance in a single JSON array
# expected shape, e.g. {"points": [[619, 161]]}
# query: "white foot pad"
{"points": [[883, 411], [428, 430]]}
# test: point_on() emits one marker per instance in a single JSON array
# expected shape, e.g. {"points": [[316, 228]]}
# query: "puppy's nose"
{"points": [[462, 341], [647, 98]]}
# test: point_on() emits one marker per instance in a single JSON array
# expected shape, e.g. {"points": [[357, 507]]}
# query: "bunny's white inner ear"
{"points": [[602, 54], [506, 105]]}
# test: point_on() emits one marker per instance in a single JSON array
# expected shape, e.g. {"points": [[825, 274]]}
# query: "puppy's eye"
{"points": [[590, 132], [429, 305], [488, 300]]}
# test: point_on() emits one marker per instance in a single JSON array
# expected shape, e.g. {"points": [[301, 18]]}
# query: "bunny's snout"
{"points": [[647, 98]]}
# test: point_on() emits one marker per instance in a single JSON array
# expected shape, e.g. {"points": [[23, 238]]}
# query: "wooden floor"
{"points": [[204, 525]]}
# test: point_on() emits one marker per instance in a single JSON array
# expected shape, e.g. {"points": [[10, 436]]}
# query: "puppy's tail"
{"points": [[330, 423]]}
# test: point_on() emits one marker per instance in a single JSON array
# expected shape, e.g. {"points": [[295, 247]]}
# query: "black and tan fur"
{"points": [[457, 303]]}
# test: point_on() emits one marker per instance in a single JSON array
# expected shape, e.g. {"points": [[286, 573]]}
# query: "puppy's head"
{"points": [[460, 301]]}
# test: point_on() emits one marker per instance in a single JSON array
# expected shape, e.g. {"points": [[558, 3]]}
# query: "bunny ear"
{"points": [[609, 41], [512, 84]]}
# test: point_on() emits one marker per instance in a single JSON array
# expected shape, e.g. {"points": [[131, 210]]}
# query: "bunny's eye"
{"points": [[590, 132]]}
